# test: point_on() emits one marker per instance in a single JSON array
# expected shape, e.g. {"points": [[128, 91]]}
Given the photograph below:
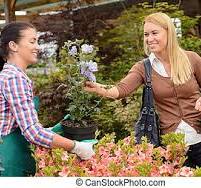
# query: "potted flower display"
{"points": [[79, 63], [121, 159]]}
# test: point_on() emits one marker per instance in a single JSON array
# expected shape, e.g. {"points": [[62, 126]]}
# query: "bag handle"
{"points": [[147, 91], [148, 70]]}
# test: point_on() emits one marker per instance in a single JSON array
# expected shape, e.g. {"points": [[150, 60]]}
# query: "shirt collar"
{"points": [[16, 68], [157, 65], [153, 58]]}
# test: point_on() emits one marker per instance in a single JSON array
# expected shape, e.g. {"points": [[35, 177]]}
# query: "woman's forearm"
{"points": [[107, 91], [112, 93], [61, 142], [102, 90]]}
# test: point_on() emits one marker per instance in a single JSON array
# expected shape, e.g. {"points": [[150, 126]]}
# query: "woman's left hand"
{"points": [[198, 104]]}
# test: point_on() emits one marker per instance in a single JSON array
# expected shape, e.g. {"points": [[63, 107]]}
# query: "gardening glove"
{"points": [[83, 150], [102, 90]]}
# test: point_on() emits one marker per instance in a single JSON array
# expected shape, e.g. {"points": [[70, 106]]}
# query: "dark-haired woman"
{"points": [[19, 125]]}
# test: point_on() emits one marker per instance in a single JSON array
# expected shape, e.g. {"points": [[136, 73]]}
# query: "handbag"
{"points": [[148, 122]]}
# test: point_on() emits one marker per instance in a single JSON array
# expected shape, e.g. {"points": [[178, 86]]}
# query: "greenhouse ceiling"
{"points": [[28, 5], [28, 8]]}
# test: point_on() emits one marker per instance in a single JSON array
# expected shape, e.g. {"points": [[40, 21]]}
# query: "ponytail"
{"points": [[2, 59], [2, 62]]}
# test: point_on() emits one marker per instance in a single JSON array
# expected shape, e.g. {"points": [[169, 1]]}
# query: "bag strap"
{"points": [[147, 92], [147, 66]]}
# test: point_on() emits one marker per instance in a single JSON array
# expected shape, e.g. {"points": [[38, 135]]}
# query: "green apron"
{"points": [[16, 156]]}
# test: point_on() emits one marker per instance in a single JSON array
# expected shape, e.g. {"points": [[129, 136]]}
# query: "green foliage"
{"points": [[144, 169], [107, 121], [118, 116], [175, 143], [173, 138], [107, 139], [51, 92], [191, 43], [197, 172], [115, 168]]}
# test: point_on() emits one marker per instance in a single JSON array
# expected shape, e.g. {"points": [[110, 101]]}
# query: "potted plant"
{"points": [[79, 63]]}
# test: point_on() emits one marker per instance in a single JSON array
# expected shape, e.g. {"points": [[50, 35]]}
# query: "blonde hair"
{"points": [[181, 69]]}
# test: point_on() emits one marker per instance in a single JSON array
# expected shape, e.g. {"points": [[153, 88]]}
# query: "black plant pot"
{"points": [[78, 133]]}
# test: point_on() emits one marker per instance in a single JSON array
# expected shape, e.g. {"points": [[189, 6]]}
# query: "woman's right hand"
{"points": [[102, 90], [83, 150], [95, 88]]}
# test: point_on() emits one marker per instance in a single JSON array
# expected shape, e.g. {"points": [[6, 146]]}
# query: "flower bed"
{"points": [[123, 158]]}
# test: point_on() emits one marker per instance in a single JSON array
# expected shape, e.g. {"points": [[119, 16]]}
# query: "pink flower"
{"points": [[64, 172], [166, 169], [41, 163], [129, 171], [51, 162], [118, 152], [127, 140], [155, 172], [40, 152], [65, 156], [185, 172], [103, 151], [115, 159]]}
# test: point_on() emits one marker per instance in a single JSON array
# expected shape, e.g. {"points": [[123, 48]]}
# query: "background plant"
{"points": [[80, 66], [67, 81], [119, 48]]}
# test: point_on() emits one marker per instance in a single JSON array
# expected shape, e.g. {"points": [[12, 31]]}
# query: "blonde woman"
{"points": [[176, 82]]}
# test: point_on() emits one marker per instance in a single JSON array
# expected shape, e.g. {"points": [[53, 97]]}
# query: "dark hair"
{"points": [[11, 32]]}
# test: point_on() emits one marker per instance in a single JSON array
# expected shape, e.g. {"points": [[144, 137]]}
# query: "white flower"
{"points": [[92, 66], [73, 51], [87, 49], [87, 68]]}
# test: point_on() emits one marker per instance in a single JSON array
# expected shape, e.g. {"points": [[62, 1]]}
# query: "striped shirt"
{"points": [[17, 107]]}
